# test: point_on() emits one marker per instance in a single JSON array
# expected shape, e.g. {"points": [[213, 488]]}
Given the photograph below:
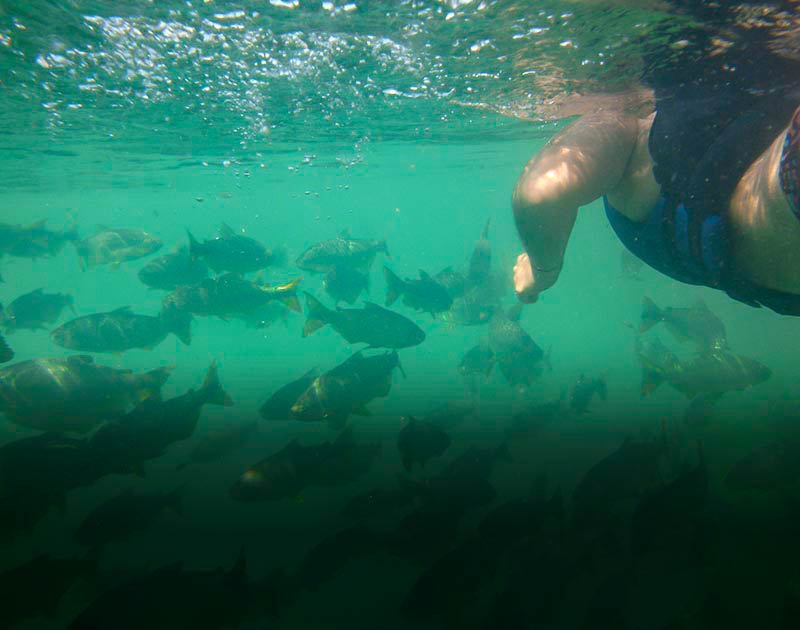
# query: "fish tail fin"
{"points": [[150, 383], [179, 323], [318, 315], [398, 364], [394, 286], [195, 247], [288, 294], [651, 315], [213, 393]]}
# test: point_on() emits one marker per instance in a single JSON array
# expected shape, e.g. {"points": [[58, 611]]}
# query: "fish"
{"points": [[419, 441], [29, 491], [150, 428], [6, 353], [279, 405], [120, 518], [627, 472], [121, 329], [584, 390], [172, 596], [34, 310], [288, 472], [345, 284], [466, 312], [282, 475], [232, 252], [767, 467], [35, 240], [173, 270], [696, 324], [327, 558], [519, 358], [325, 256], [480, 261], [535, 416], [219, 442], [373, 325], [477, 362], [230, 295], [73, 393], [666, 515], [452, 280], [424, 294], [112, 246], [710, 374], [346, 389], [37, 586]]}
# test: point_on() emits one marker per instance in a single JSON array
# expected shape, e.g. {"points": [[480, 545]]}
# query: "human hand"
{"points": [[528, 284]]}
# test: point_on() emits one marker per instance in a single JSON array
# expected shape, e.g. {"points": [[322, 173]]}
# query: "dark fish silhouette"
{"points": [[177, 598], [421, 440], [424, 294], [72, 394], [232, 252], [279, 405], [173, 270], [37, 586], [34, 310], [230, 295], [220, 441], [373, 325], [122, 329], [584, 390], [696, 324], [120, 518], [356, 253], [35, 240], [344, 283], [148, 430], [346, 389]]}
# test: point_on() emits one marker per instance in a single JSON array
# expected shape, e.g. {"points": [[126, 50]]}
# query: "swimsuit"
{"points": [[686, 235]]}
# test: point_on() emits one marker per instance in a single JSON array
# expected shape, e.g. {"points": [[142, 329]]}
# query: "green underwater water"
{"points": [[295, 159]]}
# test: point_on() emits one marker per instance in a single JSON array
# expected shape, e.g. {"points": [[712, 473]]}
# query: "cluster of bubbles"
{"points": [[270, 68]]}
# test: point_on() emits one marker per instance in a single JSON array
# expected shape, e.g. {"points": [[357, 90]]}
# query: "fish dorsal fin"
{"points": [[121, 310], [515, 312], [424, 275], [101, 227], [371, 306], [448, 269], [345, 233], [38, 291], [226, 231], [239, 568], [485, 233]]}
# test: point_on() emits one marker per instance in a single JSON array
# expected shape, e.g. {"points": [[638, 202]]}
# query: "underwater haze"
{"points": [[542, 486]]}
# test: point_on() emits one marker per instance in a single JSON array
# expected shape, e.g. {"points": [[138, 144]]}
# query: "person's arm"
{"points": [[583, 162]]}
